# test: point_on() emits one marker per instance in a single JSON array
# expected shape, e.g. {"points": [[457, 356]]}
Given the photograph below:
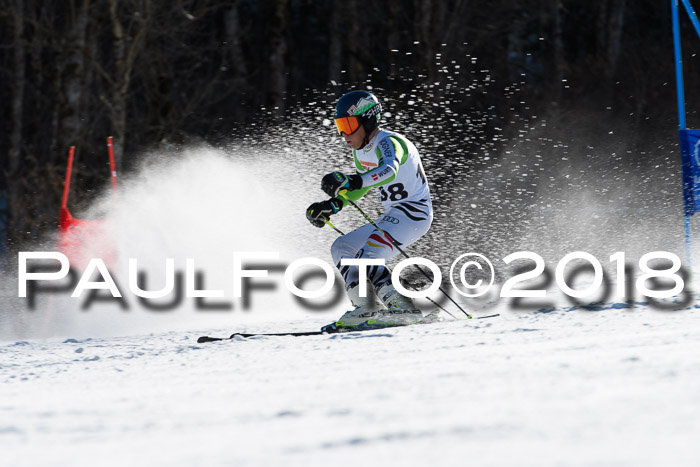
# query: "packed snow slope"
{"points": [[575, 388]]}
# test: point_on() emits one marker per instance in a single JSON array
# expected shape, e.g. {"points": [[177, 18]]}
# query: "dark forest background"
{"points": [[151, 72]]}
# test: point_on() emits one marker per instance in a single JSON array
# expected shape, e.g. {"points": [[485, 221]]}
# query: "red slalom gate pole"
{"points": [[69, 170], [113, 170]]}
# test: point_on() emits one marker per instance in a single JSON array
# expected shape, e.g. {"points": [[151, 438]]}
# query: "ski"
{"points": [[487, 316], [327, 330], [254, 334]]}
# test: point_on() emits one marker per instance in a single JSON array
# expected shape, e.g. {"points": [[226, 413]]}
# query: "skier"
{"points": [[391, 163]]}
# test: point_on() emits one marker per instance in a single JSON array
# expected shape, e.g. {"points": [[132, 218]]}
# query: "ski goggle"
{"points": [[347, 125]]}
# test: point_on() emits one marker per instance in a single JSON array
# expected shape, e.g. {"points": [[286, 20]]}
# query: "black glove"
{"points": [[318, 212], [333, 182]]}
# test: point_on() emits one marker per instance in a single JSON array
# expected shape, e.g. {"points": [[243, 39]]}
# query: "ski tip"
{"points": [[204, 339]]}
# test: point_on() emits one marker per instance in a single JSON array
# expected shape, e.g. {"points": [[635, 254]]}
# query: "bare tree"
{"points": [[423, 34], [355, 38], [71, 74], [611, 15], [277, 85], [335, 43], [615, 25], [235, 35], [558, 50], [394, 38], [126, 50], [18, 85]]}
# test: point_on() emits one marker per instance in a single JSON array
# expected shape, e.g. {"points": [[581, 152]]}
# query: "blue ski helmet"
{"points": [[361, 104]]}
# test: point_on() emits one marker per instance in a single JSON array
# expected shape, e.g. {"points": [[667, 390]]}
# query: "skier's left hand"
{"points": [[333, 182], [318, 212]]}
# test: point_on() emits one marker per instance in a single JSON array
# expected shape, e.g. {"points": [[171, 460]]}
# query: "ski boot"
{"points": [[399, 310], [364, 308]]}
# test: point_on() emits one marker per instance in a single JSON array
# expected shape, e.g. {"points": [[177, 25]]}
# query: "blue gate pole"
{"points": [[692, 15], [681, 108], [679, 64]]}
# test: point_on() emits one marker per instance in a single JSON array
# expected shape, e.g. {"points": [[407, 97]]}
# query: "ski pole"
{"points": [[330, 224], [371, 221]]}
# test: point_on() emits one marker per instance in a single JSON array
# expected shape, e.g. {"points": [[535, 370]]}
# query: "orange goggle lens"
{"points": [[347, 125]]}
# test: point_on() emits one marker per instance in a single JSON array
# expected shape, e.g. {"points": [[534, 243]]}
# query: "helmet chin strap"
{"points": [[364, 143], [368, 134]]}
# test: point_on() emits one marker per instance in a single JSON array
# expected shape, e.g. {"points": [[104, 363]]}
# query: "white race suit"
{"points": [[391, 163]]}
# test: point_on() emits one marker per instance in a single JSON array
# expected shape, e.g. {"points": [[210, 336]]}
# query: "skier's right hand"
{"points": [[317, 213], [334, 182]]}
